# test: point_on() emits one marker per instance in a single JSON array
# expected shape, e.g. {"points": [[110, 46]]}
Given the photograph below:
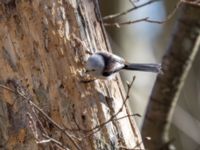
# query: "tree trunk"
{"points": [[44, 104]]}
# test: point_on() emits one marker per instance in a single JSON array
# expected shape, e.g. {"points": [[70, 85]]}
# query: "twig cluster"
{"points": [[36, 115], [34, 122], [113, 117], [144, 19]]}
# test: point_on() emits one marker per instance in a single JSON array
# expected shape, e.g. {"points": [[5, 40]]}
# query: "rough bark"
{"points": [[41, 64], [176, 65]]}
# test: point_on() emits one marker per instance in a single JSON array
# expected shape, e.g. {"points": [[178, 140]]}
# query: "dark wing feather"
{"points": [[113, 63]]}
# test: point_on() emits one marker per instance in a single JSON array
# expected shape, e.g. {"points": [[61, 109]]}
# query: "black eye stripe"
{"points": [[106, 74]]}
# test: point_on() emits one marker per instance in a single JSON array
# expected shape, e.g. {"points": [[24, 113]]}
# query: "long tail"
{"points": [[144, 67]]}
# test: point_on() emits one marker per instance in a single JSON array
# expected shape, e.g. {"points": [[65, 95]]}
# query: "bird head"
{"points": [[95, 65]]}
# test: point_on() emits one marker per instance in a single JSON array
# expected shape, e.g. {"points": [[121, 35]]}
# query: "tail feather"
{"points": [[144, 67]]}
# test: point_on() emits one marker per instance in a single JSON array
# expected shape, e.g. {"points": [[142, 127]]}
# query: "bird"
{"points": [[104, 65]]}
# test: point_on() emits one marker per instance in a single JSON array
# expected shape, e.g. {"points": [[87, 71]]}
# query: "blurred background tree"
{"points": [[146, 42]]}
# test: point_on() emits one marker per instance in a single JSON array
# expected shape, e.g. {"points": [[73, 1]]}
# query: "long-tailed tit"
{"points": [[104, 65]]}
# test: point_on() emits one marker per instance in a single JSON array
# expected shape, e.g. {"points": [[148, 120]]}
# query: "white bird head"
{"points": [[95, 65]]}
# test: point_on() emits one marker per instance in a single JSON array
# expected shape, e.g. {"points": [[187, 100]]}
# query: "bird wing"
{"points": [[113, 63]]}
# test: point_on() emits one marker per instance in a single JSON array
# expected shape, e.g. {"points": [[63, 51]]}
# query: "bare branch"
{"points": [[128, 11], [197, 2], [132, 2], [146, 19]]}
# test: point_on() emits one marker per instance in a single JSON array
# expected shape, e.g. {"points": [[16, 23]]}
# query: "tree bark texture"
{"points": [[176, 65], [42, 98]]}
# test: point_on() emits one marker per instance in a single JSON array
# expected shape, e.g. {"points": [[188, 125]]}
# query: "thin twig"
{"points": [[50, 139], [44, 114], [134, 148], [32, 125], [7, 88], [197, 2], [146, 19], [98, 127], [56, 125], [132, 3], [128, 11], [132, 115]]}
